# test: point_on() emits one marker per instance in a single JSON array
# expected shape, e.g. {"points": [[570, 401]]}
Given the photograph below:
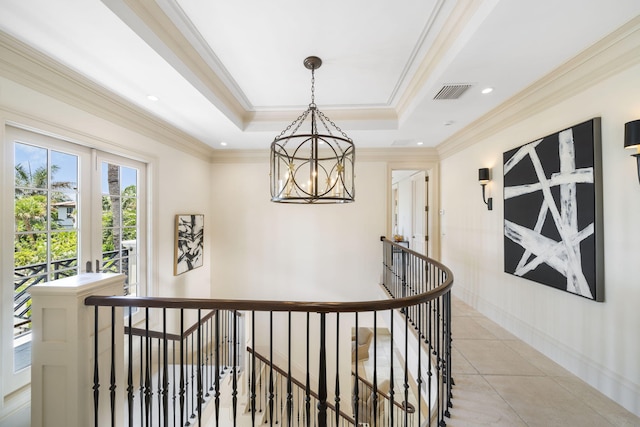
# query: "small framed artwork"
{"points": [[189, 248], [553, 211]]}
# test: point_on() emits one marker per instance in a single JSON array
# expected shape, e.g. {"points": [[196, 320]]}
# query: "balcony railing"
{"points": [[305, 358], [25, 277]]}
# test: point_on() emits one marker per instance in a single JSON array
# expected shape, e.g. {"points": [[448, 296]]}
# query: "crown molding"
{"points": [[454, 27], [169, 42], [395, 154], [609, 56], [354, 119], [28, 67]]}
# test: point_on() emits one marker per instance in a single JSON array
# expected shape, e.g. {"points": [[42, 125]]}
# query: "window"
{"points": [[64, 224], [120, 200]]}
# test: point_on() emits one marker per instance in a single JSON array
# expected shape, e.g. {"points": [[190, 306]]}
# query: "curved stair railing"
{"points": [[272, 379], [383, 404], [314, 339]]}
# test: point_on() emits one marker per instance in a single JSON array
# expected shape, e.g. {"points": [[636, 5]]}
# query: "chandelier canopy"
{"points": [[312, 166]]}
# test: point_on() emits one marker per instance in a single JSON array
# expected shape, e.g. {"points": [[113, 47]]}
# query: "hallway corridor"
{"points": [[501, 381]]}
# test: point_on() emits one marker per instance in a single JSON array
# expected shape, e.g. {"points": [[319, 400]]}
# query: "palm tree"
{"points": [[113, 179]]}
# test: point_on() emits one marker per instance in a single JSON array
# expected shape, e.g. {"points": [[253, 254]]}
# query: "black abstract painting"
{"points": [[189, 243], [552, 211]]}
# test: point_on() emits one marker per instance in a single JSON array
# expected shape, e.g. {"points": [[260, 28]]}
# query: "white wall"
{"points": [[597, 341], [266, 250]]}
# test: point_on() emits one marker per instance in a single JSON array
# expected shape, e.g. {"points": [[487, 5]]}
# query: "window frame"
{"points": [[89, 178]]}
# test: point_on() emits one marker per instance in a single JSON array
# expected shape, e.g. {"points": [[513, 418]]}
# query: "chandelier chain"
{"points": [[301, 118], [313, 88], [322, 116]]}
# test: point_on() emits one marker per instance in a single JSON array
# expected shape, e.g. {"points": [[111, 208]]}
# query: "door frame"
{"points": [[432, 170]]}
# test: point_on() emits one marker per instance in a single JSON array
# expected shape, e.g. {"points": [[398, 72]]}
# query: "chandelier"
{"points": [[316, 166]]}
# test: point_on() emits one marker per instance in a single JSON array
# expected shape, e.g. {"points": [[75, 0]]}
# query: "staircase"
{"points": [[163, 373]]}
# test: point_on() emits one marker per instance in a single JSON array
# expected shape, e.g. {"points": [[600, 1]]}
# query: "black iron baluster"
{"points": [[234, 368], [322, 373], [429, 366], [147, 371], [211, 349], [419, 380], [141, 379], [199, 394], [225, 352], [438, 367], [207, 373], [356, 385], [96, 375], [159, 380], [289, 390], [112, 382], [337, 388], [261, 394], [173, 383], [217, 365], [307, 389], [448, 374], [253, 369], [375, 369], [130, 371], [182, 370], [271, 368], [406, 372], [191, 384], [165, 381], [391, 379]]}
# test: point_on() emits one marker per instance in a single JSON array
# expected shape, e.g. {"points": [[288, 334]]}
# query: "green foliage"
{"points": [[31, 213], [30, 249], [31, 222]]}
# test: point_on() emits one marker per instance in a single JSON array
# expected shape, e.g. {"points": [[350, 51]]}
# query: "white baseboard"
{"points": [[611, 384]]}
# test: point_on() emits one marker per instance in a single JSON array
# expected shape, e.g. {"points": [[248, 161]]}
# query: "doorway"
{"points": [[410, 209]]}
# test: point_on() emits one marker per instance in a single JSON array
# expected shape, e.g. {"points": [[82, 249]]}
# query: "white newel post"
{"points": [[62, 367]]}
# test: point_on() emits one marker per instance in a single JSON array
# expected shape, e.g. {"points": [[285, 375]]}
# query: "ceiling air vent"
{"points": [[453, 91]]}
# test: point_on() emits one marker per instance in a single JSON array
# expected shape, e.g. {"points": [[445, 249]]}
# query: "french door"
{"points": [[75, 209]]}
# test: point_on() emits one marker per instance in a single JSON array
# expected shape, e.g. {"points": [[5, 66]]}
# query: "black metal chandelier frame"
{"points": [[312, 167]]}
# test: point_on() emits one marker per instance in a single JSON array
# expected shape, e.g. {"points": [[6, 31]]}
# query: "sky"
{"points": [[32, 158]]}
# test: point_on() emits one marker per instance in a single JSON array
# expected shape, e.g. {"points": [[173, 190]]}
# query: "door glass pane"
{"points": [[46, 231], [30, 167], [30, 210], [120, 222]]}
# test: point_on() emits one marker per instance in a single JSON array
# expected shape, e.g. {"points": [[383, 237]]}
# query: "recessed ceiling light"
{"points": [[224, 144], [152, 98], [487, 90], [420, 143]]}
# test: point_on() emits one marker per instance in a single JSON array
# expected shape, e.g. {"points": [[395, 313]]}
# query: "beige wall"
{"points": [[268, 250], [597, 341]]}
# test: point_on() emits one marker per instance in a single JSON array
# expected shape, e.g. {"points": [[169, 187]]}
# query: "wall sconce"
{"points": [[632, 139], [484, 178]]}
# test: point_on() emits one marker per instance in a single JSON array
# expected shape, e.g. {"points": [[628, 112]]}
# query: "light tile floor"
{"points": [[501, 381]]}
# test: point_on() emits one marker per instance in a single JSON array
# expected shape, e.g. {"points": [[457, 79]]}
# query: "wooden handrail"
{"points": [[298, 383], [141, 332], [284, 306], [428, 282]]}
